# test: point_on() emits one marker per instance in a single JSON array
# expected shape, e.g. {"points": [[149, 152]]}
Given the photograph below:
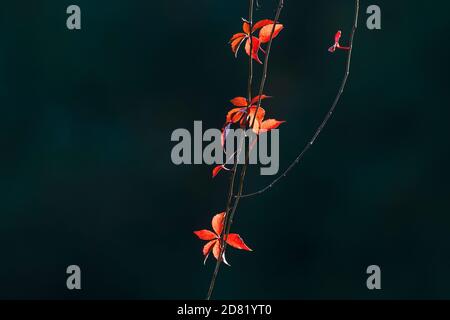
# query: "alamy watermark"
{"points": [[227, 146]]}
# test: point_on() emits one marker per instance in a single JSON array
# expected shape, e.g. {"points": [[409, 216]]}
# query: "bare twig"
{"points": [[327, 116]]}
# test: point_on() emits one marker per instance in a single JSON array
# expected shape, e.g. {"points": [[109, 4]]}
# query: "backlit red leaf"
{"points": [[239, 102], [255, 48], [238, 35], [208, 247], [216, 170], [205, 234], [236, 241], [259, 117], [217, 223], [234, 115], [261, 24], [216, 250], [256, 99], [246, 27], [337, 36], [270, 124], [266, 31], [236, 44], [336, 44]]}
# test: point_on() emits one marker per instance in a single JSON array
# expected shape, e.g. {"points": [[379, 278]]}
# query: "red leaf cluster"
{"points": [[214, 238], [265, 28], [245, 114]]}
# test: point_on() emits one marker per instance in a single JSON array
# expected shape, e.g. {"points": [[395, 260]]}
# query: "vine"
{"points": [[248, 113]]}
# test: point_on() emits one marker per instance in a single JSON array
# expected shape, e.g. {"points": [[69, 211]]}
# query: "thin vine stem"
{"points": [[326, 118], [235, 167], [261, 90], [230, 215]]}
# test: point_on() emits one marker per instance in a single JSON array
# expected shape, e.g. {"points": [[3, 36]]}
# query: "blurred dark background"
{"points": [[86, 176]]}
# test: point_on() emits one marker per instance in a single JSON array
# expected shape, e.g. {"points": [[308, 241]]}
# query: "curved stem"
{"points": [[326, 118]]}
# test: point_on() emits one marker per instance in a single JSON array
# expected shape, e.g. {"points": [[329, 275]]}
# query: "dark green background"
{"points": [[86, 176]]}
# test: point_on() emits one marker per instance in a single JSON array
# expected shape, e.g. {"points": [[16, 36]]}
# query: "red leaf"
{"points": [[237, 35], [336, 44], [217, 223], [256, 99], [216, 170], [259, 116], [246, 27], [205, 234], [216, 250], [255, 48], [265, 32], [208, 247], [270, 124], [261, 24], [239, 102], [236, 241], [234, 115], [337, 36], [236, 44]]}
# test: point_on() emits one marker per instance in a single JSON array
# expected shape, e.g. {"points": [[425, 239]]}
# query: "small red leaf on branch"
{"points": [[255, 45], [236, 241], [336, 44], [205, 234], [239, 102], [266, 31], [270, 124], [246, 27], [216, 170], [236, 43], [217, 223], [262, 23], [256, 99]]}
